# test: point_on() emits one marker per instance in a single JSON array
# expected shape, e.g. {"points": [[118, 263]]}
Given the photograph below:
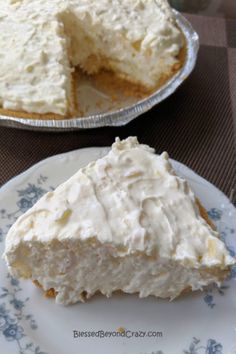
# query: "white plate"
{"points": [[29, 323]]}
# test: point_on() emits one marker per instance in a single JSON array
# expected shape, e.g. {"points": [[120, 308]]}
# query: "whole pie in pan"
{"points": [[43, 42]]}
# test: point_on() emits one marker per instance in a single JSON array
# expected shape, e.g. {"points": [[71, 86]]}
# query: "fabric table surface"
{"points": [[196, 125]]}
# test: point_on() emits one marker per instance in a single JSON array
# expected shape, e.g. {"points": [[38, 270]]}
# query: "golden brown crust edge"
{"points": [[204, 214], [110, 82]]}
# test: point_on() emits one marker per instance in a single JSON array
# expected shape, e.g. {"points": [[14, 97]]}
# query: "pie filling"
{"points": [[124, 222], [136, 40]]}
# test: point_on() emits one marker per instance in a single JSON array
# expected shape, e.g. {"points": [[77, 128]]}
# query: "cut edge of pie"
{"points": [[103, 80], [51, 293], [124, 222]]}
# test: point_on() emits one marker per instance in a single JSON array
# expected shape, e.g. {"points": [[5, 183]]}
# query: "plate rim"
{"points": [[24, 177]]}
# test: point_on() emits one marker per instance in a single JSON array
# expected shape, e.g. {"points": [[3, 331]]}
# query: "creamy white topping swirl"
{"points": [[132, 200]]}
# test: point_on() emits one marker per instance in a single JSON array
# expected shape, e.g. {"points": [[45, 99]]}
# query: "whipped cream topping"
{"points": [[42, 40], [132, 200], [34, 66], [124, 222], [139, 38]]}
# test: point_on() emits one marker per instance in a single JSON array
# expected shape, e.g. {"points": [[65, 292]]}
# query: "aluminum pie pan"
{"points": [[123, 115]]}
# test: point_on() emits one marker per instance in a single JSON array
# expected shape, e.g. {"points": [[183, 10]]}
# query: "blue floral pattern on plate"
{"points": [[195, 347], [212, 347], [13, 309], [216, 215], [14, 314]]}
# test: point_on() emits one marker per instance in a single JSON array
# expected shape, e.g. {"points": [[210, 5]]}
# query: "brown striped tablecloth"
{"points": [[196, 125]]}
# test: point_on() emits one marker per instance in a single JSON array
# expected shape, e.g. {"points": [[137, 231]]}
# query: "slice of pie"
{"points": [[43, 41], [124, 222]]}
